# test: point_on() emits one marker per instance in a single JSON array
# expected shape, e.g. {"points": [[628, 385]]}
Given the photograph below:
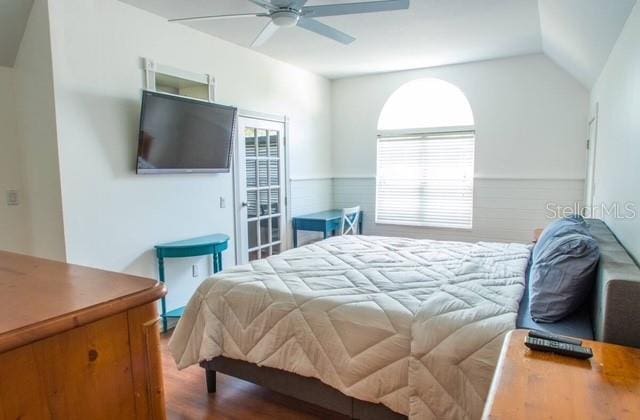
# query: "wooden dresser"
{"points": [[77, 343], [532, 385]]}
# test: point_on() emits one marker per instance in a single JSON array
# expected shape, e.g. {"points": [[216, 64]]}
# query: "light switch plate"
{"points": [[13, 199]]}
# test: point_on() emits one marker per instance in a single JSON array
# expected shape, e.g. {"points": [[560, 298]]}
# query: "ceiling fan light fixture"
{"points": [[289, 13], [285, 18]]}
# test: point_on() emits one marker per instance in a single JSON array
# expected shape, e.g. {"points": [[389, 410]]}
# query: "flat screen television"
{"points": [[182, 135]]}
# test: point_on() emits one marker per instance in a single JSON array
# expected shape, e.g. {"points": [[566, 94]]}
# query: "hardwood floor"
{"points": [[187, 398]]}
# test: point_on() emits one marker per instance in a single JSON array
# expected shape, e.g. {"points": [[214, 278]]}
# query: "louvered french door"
{"points": [[260, 208]]}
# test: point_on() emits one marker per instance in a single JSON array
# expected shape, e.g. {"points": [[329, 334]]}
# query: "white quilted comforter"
{"points": [[416, 325]]}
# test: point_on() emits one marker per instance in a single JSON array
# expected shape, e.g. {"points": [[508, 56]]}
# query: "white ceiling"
{"points": [[579, 34], [576, 34], [13, 19], [430, 33]]}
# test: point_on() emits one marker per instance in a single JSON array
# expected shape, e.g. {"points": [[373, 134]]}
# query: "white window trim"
{"points": [[430, 130]]}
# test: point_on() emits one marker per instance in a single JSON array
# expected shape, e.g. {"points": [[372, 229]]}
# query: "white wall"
{"points": [[41, 198], [310, 195], [617, 91], [113, 218], [531, 126], [12, 220]]}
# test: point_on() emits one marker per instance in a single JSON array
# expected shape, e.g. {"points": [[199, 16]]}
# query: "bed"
{"points": [[370, 327]]}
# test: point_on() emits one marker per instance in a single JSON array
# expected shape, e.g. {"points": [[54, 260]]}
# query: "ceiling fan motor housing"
{"points": [[286, 17]]}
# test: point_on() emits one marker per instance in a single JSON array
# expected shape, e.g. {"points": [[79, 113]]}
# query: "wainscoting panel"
{"points": [[504, 210]]}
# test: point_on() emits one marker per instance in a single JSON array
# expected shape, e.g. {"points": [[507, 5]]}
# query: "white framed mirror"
{"points": [[167, 79]]}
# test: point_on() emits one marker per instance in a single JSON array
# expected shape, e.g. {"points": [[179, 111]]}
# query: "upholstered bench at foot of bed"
{"points": [[611, 315], [616, 318]]}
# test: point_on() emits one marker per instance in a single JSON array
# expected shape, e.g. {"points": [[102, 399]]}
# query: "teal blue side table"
{"points": [[204, 245]]}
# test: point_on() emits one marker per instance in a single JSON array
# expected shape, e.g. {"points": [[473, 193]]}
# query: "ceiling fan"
{"points": [[287, 13]]}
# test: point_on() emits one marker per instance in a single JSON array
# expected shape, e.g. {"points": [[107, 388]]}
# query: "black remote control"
{"points": [[548, 336], [564, 349]]}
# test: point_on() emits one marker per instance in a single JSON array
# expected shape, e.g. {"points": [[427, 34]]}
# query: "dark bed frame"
{"points": [[309, 390], [615, 319]]}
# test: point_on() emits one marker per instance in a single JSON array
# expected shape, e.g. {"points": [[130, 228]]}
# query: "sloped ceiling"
{"points": [[430, 33], [13, 20], [579, 34]]}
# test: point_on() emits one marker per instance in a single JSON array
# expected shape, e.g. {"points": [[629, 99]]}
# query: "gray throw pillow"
{"points": [[561, 227], [562, 272]]}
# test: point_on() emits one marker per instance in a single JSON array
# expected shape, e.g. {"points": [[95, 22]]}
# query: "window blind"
{"points": [[426, 179]]}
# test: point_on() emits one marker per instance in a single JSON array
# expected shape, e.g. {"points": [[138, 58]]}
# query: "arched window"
{"points": [[426, 147], [426, 103]]}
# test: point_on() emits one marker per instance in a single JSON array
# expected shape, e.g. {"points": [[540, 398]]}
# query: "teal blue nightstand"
{"points": [[194, 247]]}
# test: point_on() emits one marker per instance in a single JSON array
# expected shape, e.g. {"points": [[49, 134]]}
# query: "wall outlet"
{"points": [[223, 202], [195, 272], [13, 199]]}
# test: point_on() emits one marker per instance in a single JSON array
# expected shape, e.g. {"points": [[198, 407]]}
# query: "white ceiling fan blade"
{"points": [[266, 33], [214, 17], [264, 4], [354, 8], [325, 30]]}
